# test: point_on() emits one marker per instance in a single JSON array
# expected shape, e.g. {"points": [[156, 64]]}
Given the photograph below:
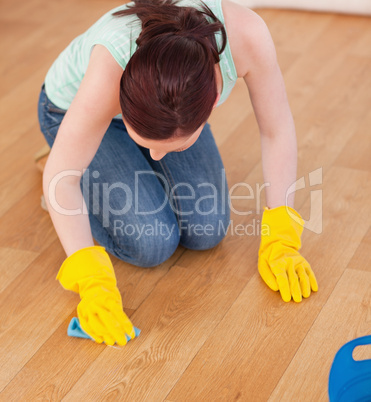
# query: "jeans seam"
{"points": [[43, 103], [52, 109], [47, 108], [169, 177]]}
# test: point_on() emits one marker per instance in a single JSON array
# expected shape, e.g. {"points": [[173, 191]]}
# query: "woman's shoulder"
{"points": [[248, 35]]}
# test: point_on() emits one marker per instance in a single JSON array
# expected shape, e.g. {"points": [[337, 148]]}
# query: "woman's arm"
{"points": [[255, 59], [77, 141], [87, 269], [277, 131], [258, 65], [280, 264]]}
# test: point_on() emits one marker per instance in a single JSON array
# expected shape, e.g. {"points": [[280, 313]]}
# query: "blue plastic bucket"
{"points": [[350, 380]]}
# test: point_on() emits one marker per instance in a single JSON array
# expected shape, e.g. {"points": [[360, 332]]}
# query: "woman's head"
{"points": [[168, 88], [159, 148]]}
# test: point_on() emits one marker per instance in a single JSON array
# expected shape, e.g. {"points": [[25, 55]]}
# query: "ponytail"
{"points": [[168, 87], [159, 17]]}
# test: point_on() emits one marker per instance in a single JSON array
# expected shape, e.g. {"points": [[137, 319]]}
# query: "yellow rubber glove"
{"points": [[90, 273], [280, 264]]}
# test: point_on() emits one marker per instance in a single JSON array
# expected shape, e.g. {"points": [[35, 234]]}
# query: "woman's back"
{"points": [[118, 34]]}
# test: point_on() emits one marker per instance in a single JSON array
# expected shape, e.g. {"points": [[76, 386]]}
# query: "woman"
{"points": [[133, 162]]}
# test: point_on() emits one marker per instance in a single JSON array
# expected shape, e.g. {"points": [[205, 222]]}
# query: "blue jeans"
{"points": [[141, 209]]}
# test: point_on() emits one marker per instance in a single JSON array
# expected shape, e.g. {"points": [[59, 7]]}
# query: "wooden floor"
{"points": [[211, 330]]}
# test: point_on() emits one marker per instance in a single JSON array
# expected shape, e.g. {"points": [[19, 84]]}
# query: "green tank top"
{"points": [[118, 35]]}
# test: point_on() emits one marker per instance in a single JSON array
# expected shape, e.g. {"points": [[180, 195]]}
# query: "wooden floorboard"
{"points": [[262, 338], [357, 151], [349, 302], [211, 330], [18, 260], [361, 259], [176, 319]]}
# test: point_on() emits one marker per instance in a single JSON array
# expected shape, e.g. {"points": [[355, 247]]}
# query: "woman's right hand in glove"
{"points": [[90, 273]]}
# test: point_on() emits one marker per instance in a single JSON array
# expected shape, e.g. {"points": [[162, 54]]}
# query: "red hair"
{"points": [[168, 88]]}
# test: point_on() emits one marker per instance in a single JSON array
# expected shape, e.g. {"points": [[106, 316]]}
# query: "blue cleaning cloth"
{"points": [[74, 329]]}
